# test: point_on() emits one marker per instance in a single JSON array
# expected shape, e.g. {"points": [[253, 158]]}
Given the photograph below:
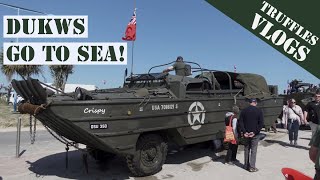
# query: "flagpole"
{"points": [[132, 58], [134, 7], [235, 71]]}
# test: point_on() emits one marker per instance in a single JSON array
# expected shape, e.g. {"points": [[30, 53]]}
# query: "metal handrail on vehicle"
{"points": [[190, 62], [235, 96], [160, 66], [54, 88]]}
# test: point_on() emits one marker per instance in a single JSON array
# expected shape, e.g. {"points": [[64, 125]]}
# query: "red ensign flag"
{"points": [[130, 34]]}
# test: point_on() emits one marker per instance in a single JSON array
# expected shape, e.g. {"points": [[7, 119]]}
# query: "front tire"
{"points": [[150, 155]]}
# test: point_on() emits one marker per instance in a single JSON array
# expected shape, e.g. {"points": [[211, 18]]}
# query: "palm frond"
{"points": [[24, 71], [60, 74]]}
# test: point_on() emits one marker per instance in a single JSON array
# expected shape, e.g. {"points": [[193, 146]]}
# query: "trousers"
{"points": [[317, 175], [232, 152], [313, 127], [250, 152], [293, 128]]}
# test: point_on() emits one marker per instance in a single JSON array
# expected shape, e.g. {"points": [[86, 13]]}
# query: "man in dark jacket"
{"points": [[251, 123]]}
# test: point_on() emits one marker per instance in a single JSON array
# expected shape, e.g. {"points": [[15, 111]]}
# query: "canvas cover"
{"points": [[254, 85], [212, 79]]}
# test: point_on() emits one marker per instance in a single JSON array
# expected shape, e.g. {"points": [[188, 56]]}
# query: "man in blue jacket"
{"points": [[251, 123]]}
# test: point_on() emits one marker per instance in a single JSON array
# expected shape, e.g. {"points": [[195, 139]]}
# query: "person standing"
{"points": [[312, 112], [314, 153], [231, 117], [251, 122], [179, 66], [293, 117]]}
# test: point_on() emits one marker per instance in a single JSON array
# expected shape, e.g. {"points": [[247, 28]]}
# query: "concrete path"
{"points": [[46, 160]]}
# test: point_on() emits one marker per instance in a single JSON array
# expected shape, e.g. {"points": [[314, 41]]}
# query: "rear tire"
{"points": [[150, 155]]}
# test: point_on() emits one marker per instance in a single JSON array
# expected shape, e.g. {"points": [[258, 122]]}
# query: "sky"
{"points": [[165, 29]]}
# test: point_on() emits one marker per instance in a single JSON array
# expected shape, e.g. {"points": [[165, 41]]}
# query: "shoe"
{"points": [[291, 143], [230, 163], [235, 161], [295, 143], [253, 169]]}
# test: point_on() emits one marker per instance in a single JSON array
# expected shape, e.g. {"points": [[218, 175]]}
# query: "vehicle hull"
{"points": [[118, 128]]}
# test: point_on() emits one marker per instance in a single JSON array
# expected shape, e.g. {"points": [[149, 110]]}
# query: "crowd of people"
{"points": [[247, 125]]}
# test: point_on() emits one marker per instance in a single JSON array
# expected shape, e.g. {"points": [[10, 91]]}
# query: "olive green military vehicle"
{"points": [[302, 92], [150, 110]]}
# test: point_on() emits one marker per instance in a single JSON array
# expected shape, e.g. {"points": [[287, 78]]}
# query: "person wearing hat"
{"points": [[179, 66], [312, 112], [251, 122]]}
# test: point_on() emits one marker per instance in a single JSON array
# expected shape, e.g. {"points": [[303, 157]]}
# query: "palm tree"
{"points": [[24, 71], [60, 74]]}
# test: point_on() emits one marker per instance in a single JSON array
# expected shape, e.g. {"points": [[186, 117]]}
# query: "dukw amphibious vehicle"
{"points": [[151, 110]]}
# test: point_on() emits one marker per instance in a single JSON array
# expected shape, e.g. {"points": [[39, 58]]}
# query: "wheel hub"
{"points": [[149, 155]]}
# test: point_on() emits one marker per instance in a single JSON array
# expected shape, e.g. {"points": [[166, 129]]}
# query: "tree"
{"points": [[60, 74], [24, 71]]}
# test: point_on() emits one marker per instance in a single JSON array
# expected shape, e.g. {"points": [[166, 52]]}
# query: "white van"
{"points": [[11, 99]]}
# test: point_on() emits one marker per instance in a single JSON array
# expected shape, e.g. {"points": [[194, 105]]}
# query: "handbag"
{"points": [[229, 135]]}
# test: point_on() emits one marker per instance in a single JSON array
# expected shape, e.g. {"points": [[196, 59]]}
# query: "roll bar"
{"points": [[189, 62]]}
